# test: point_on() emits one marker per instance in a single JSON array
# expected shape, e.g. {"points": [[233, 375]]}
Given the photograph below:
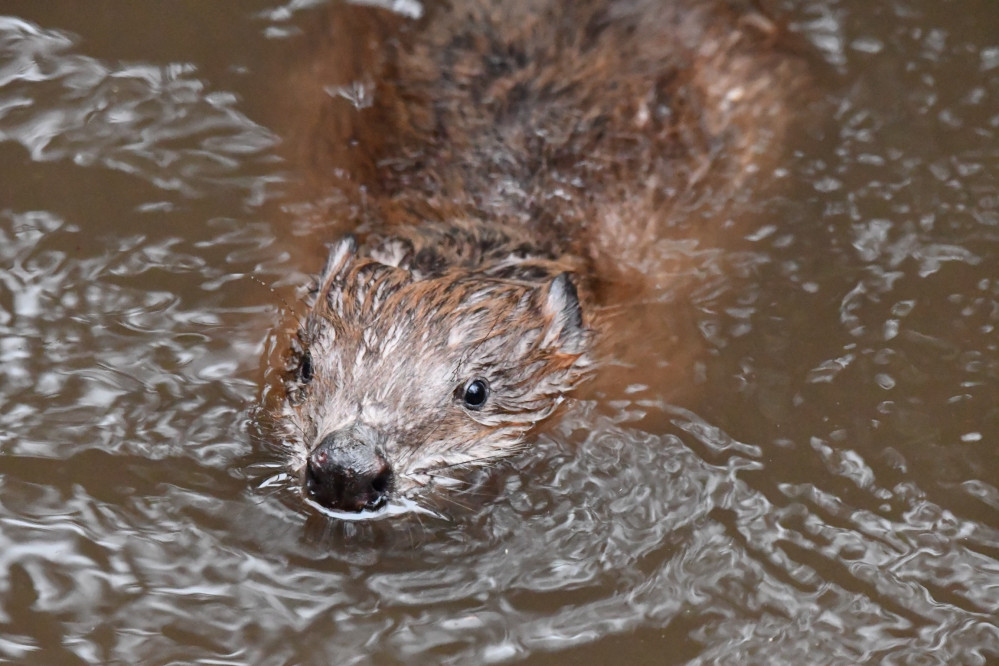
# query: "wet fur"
{"points": [[496, 162], [391, 345]]}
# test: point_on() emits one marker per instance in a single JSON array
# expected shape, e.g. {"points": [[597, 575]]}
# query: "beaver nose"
{"points": [[348, 474]]}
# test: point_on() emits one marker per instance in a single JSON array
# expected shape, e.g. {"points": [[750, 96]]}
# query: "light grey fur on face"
{"points": [[393, 353]]}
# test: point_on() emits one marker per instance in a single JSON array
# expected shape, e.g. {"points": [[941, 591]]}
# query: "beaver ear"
{"points": [[341, 255], [561, 304]]}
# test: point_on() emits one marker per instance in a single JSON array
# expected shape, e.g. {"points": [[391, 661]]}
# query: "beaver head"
{"points": [[399, 377]]}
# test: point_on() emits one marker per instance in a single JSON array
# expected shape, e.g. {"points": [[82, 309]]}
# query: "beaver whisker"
{"points": [[290, 310], [463, 464], [291, 426], [272, 486], [445, 497], [450, 498], [408, 454]]}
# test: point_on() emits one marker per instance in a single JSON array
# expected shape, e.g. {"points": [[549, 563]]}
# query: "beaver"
{"points": [[492, 161]]}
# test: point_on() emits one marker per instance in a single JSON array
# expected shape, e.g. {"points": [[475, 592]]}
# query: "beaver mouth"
{"points": [[346, 472]]}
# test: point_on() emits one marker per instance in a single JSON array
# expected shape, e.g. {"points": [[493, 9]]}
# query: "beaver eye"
{"points": [[474, 393], [305, 368]]}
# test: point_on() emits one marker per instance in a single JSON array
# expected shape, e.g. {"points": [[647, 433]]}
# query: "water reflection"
{"points": [[827, 495], [137, 118]]}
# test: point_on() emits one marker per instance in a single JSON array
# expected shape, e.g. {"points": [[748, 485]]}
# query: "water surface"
{"points": [[827, 491]]}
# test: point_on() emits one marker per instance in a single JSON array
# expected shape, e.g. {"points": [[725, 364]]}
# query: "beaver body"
{"points": [[491, 160]]}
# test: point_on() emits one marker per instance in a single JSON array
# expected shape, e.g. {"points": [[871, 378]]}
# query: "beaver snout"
{"points": [[346, 472]]}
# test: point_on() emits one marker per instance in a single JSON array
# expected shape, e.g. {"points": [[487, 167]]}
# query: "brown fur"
{"points": [[491, 158]]}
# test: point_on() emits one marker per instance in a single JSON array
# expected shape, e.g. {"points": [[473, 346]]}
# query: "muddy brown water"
{"points": [[829, 493]]}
